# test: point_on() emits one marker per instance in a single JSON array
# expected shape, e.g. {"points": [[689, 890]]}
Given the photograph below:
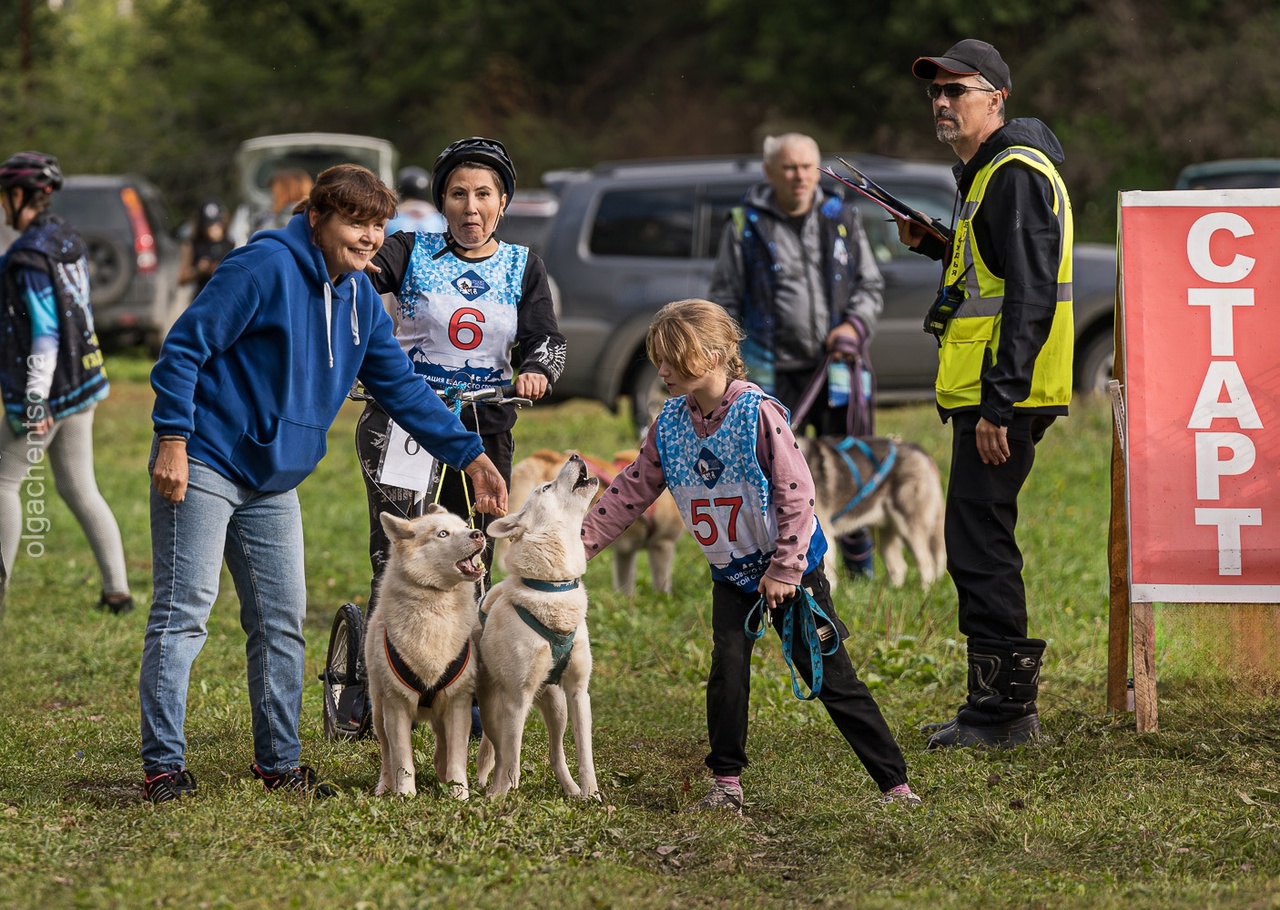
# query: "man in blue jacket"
{"points": [[248, 382]]}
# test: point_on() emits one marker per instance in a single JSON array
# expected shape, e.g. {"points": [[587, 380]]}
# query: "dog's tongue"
{"points": [[471, 566]]}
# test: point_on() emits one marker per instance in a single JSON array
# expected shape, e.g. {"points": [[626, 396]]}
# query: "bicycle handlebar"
{"points": [[490, 395]]}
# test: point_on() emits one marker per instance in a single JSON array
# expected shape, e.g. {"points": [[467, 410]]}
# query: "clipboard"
{"points": [[865, 186]]}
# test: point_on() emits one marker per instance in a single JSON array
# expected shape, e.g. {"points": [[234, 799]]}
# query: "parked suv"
{"points": [[1230, 174], [629, 236], [133, 256]]}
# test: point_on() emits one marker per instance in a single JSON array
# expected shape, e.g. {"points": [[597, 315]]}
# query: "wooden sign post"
{"points": [[1196, 453]]}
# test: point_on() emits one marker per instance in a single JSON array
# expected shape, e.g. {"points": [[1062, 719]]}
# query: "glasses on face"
{"points": [[953, 89]]}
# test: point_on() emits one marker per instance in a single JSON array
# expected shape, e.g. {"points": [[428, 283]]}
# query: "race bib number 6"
{"points": [[465, 328]]}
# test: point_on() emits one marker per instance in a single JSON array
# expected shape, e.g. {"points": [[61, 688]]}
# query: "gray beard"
{"points": [[946, 131]]}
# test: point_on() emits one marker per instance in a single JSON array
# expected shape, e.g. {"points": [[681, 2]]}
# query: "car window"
{"points": [[92, 208], [157, 214], [882, 231], [645, 222], [313, 161], [717, 200], [1237, 181]]}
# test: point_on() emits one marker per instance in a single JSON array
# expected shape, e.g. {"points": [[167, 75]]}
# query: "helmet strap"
{"points": [[452, 246]]}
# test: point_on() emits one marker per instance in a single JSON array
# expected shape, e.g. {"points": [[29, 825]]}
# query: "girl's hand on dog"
{"points": [[171, 470], [491, 489]]}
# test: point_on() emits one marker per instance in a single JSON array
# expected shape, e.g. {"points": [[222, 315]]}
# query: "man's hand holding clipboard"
{"points": [[865, 186]]}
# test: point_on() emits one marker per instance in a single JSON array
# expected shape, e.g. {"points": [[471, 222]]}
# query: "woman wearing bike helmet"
{"points": [[51, 376], [464, 302]]}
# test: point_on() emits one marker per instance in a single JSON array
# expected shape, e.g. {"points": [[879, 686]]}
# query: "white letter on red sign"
{"points": [[1209, 469], [1228, 522], [1222, 342], [1198, 248], [1224, 374]]}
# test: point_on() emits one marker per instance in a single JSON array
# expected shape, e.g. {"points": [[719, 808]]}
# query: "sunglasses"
{"points": [[953, 89]]}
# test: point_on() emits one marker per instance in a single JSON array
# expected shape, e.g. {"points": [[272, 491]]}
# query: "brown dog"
{"points": [[657, 531]]}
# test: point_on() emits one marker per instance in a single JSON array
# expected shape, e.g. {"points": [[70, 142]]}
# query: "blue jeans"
{"points": [[260, 534]]}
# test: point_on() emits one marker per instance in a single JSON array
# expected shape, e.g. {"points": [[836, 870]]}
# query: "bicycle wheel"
{"points": [[346, 714]]}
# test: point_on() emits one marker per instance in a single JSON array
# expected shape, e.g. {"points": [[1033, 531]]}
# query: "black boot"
{"points": [[935, 726], [1004, 679]]}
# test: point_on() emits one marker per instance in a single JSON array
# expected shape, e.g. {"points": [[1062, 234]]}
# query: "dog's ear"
{"points": [[396, 527], [508, 526], [435, 508]]}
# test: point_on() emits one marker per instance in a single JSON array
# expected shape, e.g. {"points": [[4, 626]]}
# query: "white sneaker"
{"points": [[902, 796], [721, 796]]}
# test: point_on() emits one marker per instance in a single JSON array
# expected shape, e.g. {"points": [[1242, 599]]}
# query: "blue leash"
{"points": [[803, 612]]}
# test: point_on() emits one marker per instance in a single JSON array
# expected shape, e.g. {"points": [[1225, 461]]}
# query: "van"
{"points": [[259, 158]]}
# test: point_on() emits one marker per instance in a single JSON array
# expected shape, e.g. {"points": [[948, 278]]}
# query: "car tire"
{"points": [[647, 393], [1095, 361], [109, 269]]}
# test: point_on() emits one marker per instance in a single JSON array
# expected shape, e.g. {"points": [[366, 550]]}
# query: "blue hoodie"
{"points": [[255, 370]]}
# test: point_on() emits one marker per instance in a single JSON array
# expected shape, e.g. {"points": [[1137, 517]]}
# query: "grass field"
{"points": [[1098, 817]]}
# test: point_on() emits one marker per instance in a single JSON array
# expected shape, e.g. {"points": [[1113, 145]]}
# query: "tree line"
{"points": [[1135, 89]]}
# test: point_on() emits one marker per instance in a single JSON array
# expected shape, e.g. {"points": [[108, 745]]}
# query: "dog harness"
{"points": [[880, 472], [561, 642], [426, 694]]}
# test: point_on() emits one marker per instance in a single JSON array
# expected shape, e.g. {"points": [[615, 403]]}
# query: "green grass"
{"points": [[1100, 817]]}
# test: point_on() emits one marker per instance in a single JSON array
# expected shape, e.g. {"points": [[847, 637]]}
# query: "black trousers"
{"points": [[371, 441], [846, 698], [983, 558], [789, 385]]}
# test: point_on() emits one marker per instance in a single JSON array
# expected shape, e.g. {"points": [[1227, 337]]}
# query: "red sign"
{"points": [[1200, 287]]}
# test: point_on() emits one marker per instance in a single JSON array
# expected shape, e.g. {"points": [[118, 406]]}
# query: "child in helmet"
{"points": [[51, 377]]}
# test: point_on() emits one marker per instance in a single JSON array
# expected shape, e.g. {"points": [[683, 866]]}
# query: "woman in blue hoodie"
{"points": [[248, 382]]}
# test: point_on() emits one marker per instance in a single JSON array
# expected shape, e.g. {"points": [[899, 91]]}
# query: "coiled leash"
{"points": [[802, 609]]}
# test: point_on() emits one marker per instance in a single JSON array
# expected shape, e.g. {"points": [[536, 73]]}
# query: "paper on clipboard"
{"points": [[405, 463], [865, 186]]}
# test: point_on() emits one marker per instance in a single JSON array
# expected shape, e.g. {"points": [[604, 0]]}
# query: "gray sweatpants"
{"points": [[66, 453]]}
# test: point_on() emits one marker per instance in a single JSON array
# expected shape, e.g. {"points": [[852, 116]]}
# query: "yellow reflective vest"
{"points": [[972, 337]]}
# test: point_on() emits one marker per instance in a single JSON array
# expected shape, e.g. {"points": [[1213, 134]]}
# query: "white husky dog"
{"points": [[533, 645], [418, 646]]}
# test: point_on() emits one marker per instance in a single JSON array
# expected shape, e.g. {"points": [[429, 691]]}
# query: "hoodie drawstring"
{"points": [[355, 318], [328, 318]]}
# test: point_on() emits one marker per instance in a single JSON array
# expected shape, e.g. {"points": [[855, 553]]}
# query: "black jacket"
{"points": [[1018, 236]]}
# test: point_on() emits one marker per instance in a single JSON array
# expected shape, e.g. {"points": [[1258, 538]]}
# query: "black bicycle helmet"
{"points": [[414, 183], [478, 150], [31, 171]]}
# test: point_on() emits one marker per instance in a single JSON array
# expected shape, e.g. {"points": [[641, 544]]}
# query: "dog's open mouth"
{"points": [[584, 479], [472, 567]]}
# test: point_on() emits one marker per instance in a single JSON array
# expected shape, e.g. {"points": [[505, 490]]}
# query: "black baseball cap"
{"points": [[969, 57]]}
